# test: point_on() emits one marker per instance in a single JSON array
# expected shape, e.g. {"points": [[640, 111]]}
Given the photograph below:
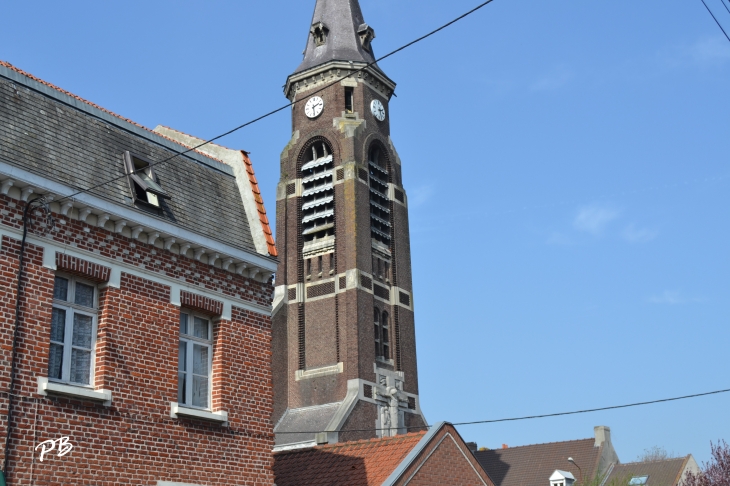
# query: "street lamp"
{"points": [[570, 459]]}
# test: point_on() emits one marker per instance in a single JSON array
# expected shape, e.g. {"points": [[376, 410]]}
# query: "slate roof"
{"points": [[62, 137], [343, 18], [366, 462], [661, 473], [532, 465], [309, 419]]}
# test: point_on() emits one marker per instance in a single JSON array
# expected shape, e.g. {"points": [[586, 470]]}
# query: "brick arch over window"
{"points": [[315, 214]]}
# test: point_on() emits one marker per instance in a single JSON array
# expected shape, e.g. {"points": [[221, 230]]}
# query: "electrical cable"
{"points": [[725, 5], [715, 18], [530, 417], [40, 203], [277, 110]]}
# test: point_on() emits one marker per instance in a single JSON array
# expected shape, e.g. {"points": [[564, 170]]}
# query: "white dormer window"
{"points": [[562, 478], [143, 181]]}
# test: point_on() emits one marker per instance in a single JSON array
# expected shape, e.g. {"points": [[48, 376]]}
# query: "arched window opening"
{"points": [[382, 334], [318, 206], [379, 201]]}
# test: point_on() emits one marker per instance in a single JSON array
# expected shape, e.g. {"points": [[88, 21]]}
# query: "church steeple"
{"points": [[338, 33], [344, 340]]}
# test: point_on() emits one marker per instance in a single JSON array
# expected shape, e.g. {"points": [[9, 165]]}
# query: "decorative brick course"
{"points": [[381, 292], [200, 303], [77, 266], [366, 282], [404, 298], [320, 290]]}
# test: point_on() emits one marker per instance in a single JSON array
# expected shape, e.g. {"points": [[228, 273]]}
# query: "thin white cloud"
{"points": [[709, 51], [672, 297], [594, 219], [420, 195], [632, 234], [555, 79]]}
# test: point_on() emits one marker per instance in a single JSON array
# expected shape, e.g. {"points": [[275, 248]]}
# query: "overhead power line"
{"points": [[715, 18], [277, 110], [531, 417]]}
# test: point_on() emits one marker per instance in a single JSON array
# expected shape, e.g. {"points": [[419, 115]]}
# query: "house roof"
{"points": [[52, 134], [417, 458], [661, 473], [366, 462], [343, 19], [532, 465], [87, 102], [243, 169]]}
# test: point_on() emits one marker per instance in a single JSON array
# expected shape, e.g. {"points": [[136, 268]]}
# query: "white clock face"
{"points": [[378, 110], [314, 107]]}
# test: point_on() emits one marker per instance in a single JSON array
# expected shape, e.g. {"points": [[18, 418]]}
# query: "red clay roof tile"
{"points": [[365, 462], [270, 244]]}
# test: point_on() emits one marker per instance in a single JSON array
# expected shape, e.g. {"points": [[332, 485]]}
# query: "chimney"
{"points": [[603, 434], [505, 446], [472, 446]]}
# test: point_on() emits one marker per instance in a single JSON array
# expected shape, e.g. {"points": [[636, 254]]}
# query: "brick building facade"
{"points": [[144, 334], [344, 333]]}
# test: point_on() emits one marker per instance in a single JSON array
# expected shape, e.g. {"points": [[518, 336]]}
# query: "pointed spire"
{"points": [[338, 33]]}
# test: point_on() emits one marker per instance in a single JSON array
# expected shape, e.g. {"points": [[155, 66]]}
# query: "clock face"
{"points": [[314, 107], [378, 110]]}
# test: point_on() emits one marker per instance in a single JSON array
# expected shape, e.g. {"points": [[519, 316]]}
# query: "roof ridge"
{"points": [[98, 107], [681, 458], [397, 438], [540, 444]]}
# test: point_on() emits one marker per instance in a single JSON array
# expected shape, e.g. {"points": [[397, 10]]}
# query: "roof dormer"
{"points": [[562, 478]]}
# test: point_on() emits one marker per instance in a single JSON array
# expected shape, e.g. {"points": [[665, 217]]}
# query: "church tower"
{"points": [[344, 343]]}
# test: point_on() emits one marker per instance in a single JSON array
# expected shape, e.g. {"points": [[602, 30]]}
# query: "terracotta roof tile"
{"points": [[532, 465], [365, 462], [271, 245], [68, 93]]}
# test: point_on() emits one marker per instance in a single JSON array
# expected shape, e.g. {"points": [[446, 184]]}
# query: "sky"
{"points": [[566, 164]]}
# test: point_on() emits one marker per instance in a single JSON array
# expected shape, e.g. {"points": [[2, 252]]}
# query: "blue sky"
{"points": [[567, 169]]}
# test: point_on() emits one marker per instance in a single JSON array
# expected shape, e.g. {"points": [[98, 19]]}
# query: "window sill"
{"points": [[384, 360], [46, 388], [181, 411]]}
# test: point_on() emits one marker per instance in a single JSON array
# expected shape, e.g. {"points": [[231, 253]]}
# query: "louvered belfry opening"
{"points": [[318, 207], [379, 202]]}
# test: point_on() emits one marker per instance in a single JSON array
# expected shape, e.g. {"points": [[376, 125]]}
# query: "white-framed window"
{"points": [[73, 331], [195, 361]]}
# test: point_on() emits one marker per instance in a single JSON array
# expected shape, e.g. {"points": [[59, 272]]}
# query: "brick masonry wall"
{"points": [[134, 441], [353, 250], [445, 460], [78, 234]]}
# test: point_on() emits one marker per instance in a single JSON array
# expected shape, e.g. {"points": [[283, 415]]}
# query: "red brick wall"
{"points": [[446, 460], [135, 441]]}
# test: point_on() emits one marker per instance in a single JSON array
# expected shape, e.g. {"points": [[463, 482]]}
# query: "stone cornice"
{"points": [[335, 71]]}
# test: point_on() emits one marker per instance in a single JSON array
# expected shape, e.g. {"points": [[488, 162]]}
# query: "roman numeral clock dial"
{"points": [[378, 110], [314, 107]]}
